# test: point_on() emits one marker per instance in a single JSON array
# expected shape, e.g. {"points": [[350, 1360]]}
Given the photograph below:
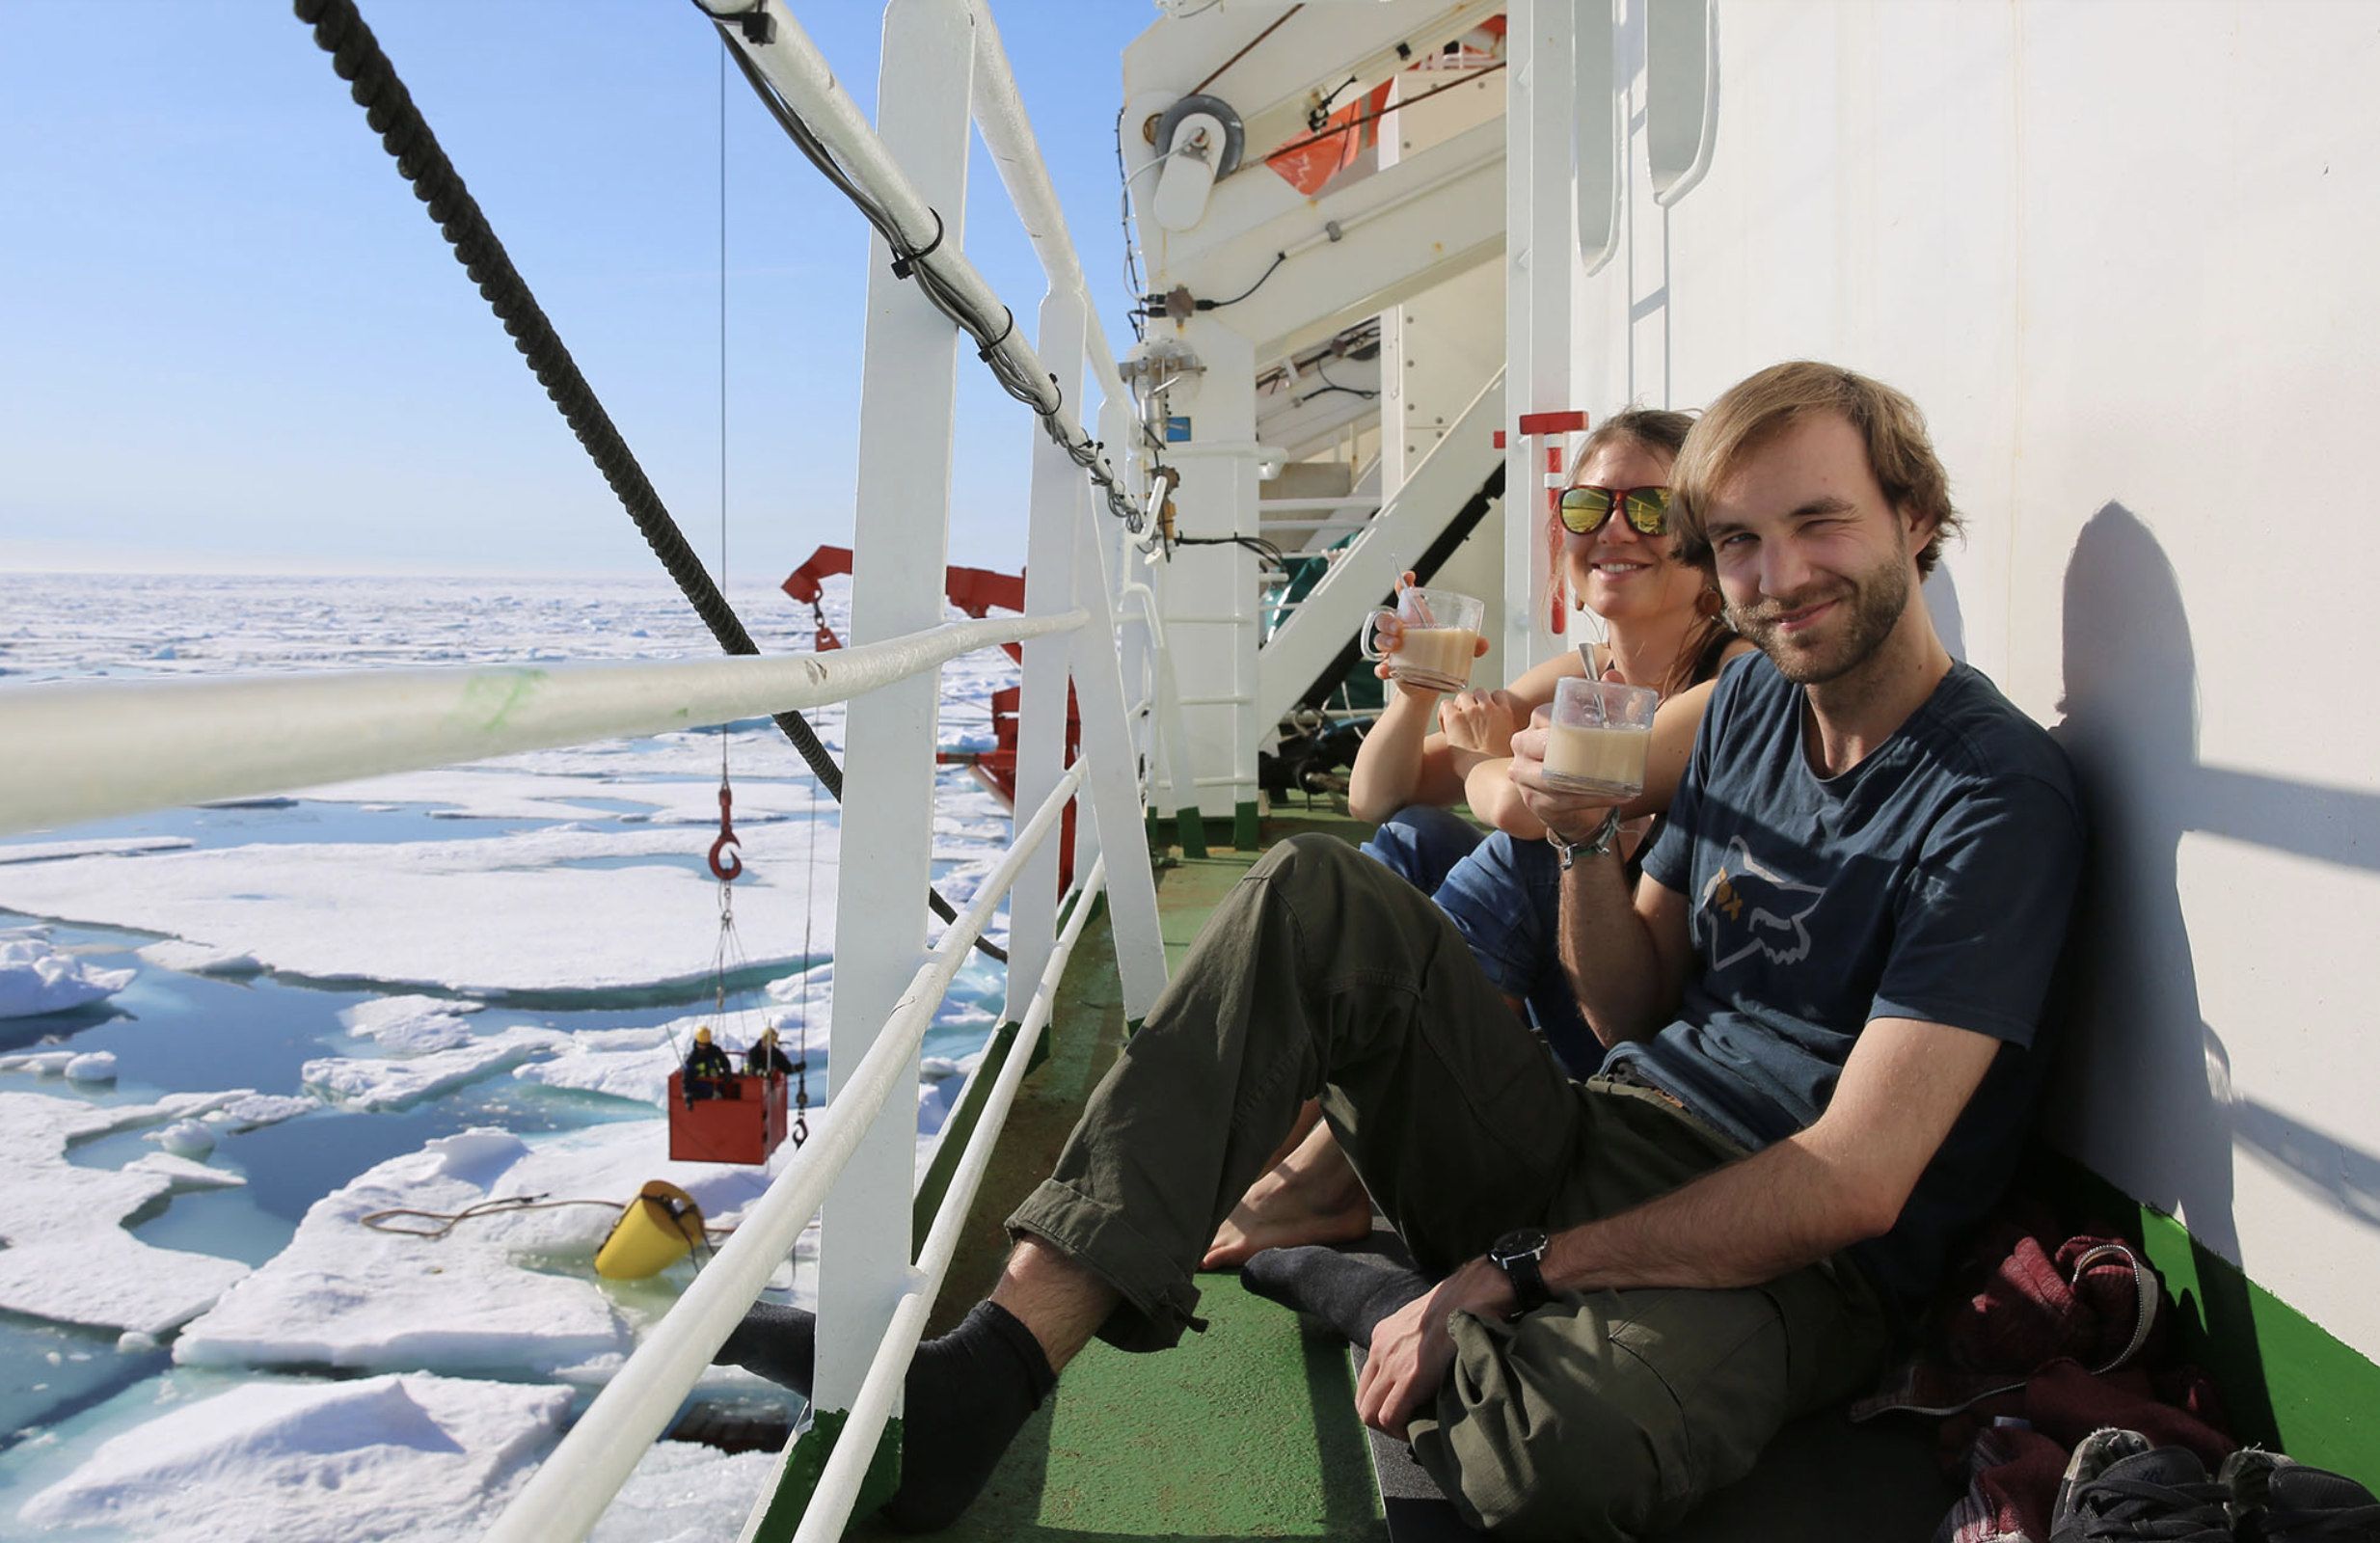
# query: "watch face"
{"points": [[1527, 1242]]}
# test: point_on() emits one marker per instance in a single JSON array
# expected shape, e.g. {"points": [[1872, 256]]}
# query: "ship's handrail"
{"points": [[785, 57], [91, 751], [571, 1488], [1007, 133], [838, 1484]]}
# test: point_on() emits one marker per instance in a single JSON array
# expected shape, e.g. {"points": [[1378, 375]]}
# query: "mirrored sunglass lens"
{"points": [[1586, 508], [1649, 510]]}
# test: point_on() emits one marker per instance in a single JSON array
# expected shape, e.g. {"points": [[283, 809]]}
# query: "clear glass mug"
{"points": [[1438, 636], [1598, 737]]}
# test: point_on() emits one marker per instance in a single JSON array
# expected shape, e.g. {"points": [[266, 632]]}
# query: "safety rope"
{"points": [[504, 1205], [340, 31]]}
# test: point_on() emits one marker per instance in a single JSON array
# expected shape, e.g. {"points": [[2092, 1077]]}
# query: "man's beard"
{"points": [[1871, 605]]}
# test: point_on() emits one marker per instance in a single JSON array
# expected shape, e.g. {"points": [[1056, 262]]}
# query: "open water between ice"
{"points": [[425, 989]]}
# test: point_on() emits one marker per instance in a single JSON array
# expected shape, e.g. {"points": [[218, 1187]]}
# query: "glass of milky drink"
{"points": [[1438, 636], [1600, 733]]}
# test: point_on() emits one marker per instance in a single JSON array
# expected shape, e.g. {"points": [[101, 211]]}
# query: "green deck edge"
{"points": [[797, 1481], [2287, 1383], [1248, 1430]]}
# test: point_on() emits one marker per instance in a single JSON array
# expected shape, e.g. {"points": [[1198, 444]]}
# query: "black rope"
{"points": [[389, 108]]}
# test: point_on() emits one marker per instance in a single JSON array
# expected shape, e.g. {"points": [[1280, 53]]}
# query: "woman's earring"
{"points": [[1709, 603]]}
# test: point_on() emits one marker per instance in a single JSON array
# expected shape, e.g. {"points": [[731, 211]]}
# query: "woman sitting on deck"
{"points": [[1664, 631]]}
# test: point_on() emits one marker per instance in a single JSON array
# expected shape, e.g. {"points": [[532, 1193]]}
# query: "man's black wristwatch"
{"points": [[1517, 1253]]}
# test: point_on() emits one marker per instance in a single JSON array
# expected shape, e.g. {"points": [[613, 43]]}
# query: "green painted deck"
{"points": [[1249, 1431]]}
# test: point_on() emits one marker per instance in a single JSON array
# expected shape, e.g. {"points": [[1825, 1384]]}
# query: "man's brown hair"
{"points": [[1752, 412]]}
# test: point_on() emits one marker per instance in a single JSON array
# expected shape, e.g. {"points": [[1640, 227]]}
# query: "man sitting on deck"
{"points": [[1822, 998]]}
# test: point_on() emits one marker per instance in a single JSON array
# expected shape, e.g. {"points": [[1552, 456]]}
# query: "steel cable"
{"points": [[356, 55]]}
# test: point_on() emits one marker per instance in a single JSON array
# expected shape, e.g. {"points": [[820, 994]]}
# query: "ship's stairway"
{"points": [[1302, 282], [1418, 528], [1249, 1431]]}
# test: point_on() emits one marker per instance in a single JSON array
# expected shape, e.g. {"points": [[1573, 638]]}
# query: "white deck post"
{"points": [[1210, 596], [1113, 785], [1540, 239], [900, 543], [1059, 498]]}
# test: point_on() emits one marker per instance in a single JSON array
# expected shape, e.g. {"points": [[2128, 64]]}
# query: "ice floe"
{"points": [[184, 1138], [248, 1111], [199, 958], [530, 911], [414, 1457], [67, 1258], [98, 1066], [683, 1493], [411, 1025], [379, 1082], [96, 846], [511, 1292], [37, 976]]}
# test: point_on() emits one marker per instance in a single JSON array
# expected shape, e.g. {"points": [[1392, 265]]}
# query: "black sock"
{"points": [[1351, 1292], [775, 1342], [966, 1396]]}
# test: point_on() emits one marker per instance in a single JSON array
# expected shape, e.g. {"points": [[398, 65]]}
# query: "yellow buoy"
{"points": [[655, 1231]]}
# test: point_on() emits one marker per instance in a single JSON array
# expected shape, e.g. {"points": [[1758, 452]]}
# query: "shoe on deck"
{"points": [[2117, 1488], [2277, 1499]]}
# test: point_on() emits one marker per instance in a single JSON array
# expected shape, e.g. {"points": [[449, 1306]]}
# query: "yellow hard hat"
{"points": [[702, 1035], [769, 1035]]}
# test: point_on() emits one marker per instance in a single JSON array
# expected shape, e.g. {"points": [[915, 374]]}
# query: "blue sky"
{"points": [[231, 340]]}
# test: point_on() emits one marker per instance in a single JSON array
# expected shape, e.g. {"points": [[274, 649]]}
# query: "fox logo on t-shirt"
{"points": [[1747, 906]]}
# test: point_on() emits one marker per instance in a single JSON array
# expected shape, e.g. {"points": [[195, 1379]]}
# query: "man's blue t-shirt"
{"points": [[1933, 881]]}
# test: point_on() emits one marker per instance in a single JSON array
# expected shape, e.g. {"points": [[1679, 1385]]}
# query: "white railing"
{"points": [[91, 751], [569, 1491], [838, 1484]]}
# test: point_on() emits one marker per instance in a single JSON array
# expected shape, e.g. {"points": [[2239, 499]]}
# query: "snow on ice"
{"points": [[415, 1456], [67, 1258], [36, 977], [511, 1292]]}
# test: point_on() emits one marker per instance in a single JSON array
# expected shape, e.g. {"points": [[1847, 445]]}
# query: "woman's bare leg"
{"points": [[1311, 1196]]}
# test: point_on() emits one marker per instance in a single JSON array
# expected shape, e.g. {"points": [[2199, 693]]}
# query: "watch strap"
{"points": [[1517, 1254], [1601, 843]]}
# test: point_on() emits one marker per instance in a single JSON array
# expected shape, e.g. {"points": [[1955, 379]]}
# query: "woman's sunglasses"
{"points": [[1646, 511]]}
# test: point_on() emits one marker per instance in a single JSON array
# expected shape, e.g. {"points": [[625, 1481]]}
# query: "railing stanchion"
{"points": [[1058, 495], [908, 383], [1114, 800]]}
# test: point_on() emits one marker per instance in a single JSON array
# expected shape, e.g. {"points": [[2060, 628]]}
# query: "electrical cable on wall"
{"points": [[1044, 398]]}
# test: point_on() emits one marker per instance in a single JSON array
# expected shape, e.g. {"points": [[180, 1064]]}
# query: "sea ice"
{"points": [[411, 1025], [184, 1138], [511, 1292], [539, 911], [96, 1065], [98, 847], [373, 1082], [249, 1111], [685, 1493], [199, 958], [37, 976], [415, 1456], [67, 1257]]}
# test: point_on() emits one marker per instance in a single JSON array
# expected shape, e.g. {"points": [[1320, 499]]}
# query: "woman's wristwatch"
{"points": [[1606, 836]]}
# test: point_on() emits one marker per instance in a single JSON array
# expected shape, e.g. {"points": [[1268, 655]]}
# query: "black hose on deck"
{"points": [[340, 31]]}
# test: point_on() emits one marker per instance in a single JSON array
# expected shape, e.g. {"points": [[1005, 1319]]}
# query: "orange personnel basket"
{"points": [[744, 1125]]}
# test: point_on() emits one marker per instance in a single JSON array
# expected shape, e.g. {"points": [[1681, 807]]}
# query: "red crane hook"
{"points": [[724, 863]]}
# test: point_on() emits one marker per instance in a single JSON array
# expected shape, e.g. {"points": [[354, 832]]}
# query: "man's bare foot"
{"points": [[1311, 1196]]}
